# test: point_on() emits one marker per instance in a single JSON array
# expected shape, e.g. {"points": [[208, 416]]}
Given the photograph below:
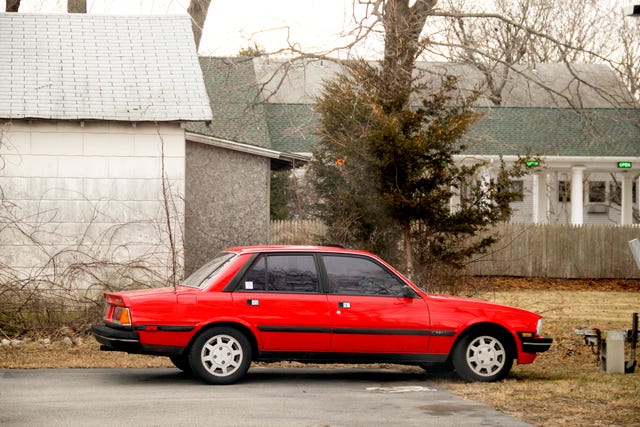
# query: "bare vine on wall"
{"points": [[168, 205], [65, 283]]}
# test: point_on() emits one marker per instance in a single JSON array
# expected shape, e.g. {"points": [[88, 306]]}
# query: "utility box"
{"points": [[612, 355], [634, 245]]}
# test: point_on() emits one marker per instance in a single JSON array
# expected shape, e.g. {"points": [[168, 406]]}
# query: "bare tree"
{"points": [[496, 38], [198, 11], [77, 6], [12, 6], [403, 25], [628, 41], [491, 45]]}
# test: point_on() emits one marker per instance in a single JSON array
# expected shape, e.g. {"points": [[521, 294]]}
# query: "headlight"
{"points": [[539, 328]]}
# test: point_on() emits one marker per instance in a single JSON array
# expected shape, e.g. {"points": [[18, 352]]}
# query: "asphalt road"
{"points": [[267, 397]]}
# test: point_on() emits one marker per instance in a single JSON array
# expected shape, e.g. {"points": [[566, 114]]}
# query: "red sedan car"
{"points": [[314, 304]]}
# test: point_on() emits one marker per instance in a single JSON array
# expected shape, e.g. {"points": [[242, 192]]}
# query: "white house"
{"points": [[578, 118], [92, 141]]}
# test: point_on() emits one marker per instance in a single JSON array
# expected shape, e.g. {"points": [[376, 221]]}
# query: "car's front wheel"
{"points": [[220, 355], [181, 362], [482, 357]]}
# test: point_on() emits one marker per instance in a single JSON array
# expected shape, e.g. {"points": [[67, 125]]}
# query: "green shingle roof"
{"points": [[555, 132], [292, 127], [499, 131], [239, 113]]}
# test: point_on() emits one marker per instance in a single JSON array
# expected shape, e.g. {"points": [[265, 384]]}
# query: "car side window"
{"points": [[360, 276], [282, 273]]}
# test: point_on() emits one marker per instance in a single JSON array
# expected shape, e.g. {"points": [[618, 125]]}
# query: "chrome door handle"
{"points": [[344, 304]]}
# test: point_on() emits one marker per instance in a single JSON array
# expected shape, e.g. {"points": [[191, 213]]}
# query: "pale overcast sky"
{"points": [[313, 24], [231, 23]]}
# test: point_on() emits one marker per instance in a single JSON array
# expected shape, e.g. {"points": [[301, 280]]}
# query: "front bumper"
{"points": [[114, 339], [535, 344]]}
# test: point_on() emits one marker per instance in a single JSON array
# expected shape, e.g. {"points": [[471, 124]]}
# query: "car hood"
{"points": [[479, 304]]}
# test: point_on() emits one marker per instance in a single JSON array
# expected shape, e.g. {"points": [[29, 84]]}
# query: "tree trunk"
{"points": [[77, 6], [403, 25], [198, 11], [12, 6], [408, 250]]}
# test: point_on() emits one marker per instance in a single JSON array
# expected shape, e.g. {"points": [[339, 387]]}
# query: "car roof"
{"points": [[295, 248]]}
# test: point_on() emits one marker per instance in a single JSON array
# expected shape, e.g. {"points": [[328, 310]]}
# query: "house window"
{"points": [[597, 192], [517, 186], [615, 192], [564, 191]]}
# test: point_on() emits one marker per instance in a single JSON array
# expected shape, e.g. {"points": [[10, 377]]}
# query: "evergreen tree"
{"points": [[386, 174]]}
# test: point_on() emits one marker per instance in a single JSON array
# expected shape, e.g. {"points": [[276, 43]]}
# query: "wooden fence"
{"points": [[297, 232], [526, 250], [560, 250]]}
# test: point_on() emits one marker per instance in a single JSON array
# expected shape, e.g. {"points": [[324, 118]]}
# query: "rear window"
{"points": [[285, 273], [203, 276]]}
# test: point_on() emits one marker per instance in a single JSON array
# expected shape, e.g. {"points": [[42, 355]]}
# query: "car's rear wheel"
{"points": [[483, 357], [181, 361], [220, 355]]}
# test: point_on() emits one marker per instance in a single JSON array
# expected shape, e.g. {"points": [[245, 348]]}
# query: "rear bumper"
{"points": [[535, 344], [113, 339]]}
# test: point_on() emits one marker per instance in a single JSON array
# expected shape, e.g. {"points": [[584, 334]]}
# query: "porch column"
{"points": [[454, 201], [626, 216], [638, 192], [577, 195], [540, 198]]}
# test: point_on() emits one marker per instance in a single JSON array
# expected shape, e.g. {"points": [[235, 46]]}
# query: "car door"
{"points": [[280, 294], [372, 309]]}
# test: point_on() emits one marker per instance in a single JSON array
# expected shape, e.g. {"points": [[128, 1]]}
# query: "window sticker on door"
{"points": [[248, 285]]}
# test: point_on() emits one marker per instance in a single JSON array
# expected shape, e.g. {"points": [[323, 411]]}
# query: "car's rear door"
{"points": [[372, 310], [281, 295]]}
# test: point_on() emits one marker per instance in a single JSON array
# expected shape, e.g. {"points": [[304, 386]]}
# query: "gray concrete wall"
{"points": [[227, 201]]}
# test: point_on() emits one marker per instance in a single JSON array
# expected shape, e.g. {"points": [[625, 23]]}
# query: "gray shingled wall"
{"points": [[227, 201]]}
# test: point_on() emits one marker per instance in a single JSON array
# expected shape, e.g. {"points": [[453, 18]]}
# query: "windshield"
{"points": [[202, 276]]}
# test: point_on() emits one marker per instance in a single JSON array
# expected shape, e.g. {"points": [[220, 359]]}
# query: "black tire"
{"points": [[220, 356], [484, 357], [181, 361]]}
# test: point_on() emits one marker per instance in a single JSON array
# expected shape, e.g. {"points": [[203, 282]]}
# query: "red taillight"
{"points": [[121, 315], [115, 310]]}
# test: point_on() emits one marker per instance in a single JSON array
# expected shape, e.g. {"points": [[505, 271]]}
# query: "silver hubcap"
{"points": [[222, 355], [486, 356]]}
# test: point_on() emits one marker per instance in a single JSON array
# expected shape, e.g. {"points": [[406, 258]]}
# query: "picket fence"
{"points": [[525, 250], [300, 232]]}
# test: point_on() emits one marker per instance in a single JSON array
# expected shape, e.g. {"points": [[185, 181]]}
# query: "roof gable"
{"points": [[540, 85], [238, 107], [80, 66]]}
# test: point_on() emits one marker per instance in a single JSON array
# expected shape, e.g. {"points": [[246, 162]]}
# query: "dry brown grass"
{"points": [[563, 387]]}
